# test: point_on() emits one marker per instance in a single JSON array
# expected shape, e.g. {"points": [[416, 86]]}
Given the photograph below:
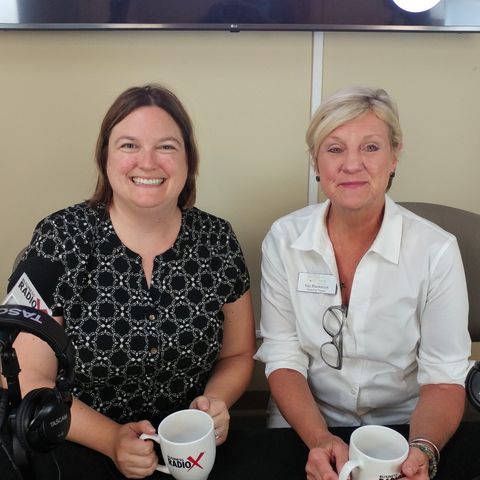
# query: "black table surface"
{"points": [[250, 453]]}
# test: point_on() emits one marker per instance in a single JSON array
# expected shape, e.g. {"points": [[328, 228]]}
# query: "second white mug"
{"points": [[375, 453], [187, 441]]}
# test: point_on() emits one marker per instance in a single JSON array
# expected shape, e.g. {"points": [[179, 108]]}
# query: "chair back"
{"points": [[466, 227]]}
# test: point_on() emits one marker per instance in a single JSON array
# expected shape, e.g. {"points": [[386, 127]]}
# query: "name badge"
{"points": [[317, 283]]}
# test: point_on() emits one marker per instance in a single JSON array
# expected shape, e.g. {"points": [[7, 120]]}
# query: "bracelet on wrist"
{"points": [[430, 443], [431, 455]]}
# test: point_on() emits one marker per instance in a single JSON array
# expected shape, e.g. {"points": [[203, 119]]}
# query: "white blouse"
{"points": [[406, 324]]}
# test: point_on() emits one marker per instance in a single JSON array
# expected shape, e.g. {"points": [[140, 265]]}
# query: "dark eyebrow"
{"points": [[125, 137], [134, 139], [128, 138], [172, 139]]}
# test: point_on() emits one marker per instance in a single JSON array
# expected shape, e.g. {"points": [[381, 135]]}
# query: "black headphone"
{"points": [[472, 385], [41, 420]]}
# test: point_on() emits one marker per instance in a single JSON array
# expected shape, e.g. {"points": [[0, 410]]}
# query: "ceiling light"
{"points": [[416, 5]]}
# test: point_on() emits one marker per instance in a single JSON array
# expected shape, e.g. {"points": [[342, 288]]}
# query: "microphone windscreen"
{"points": [[41, 274]]}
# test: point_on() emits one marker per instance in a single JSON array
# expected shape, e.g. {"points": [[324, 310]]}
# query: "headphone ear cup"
{"points": [[472, 385], [42, 420], [24, 415]]}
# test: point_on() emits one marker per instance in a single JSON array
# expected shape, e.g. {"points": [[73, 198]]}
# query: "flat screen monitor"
{"points": [[238, 15]]}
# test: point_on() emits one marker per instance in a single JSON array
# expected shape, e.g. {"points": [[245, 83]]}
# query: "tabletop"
{"points": [[249, 453]]}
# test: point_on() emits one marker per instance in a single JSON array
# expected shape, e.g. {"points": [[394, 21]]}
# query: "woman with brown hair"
{"points": [[153, 293]]}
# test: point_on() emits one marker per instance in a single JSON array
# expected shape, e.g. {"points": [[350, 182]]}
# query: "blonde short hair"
{"points": [[347, 104]]}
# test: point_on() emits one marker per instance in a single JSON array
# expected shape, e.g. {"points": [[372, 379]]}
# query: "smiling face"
{"points": [[354, 163], [146, 163]]}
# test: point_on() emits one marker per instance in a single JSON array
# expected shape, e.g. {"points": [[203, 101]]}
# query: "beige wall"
{"points": [[435, 79], [249, 95]]}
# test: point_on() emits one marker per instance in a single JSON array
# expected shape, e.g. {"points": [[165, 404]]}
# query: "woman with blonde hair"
{"points": [[364, 304]]}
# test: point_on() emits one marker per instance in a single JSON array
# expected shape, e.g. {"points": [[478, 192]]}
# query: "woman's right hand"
{"points": [[134, 458], [326, 458]]}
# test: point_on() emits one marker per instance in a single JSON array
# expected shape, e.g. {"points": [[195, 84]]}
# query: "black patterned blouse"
{"points": [[141, 352]]}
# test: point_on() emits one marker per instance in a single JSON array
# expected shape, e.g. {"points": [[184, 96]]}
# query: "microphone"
{"points": [[33, 283]]}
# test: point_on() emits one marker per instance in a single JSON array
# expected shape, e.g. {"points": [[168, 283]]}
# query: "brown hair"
{"points": [[126, 103]]}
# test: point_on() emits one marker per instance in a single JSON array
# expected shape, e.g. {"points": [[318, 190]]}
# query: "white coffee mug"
{"points": [[187, 441], [375, 453]]}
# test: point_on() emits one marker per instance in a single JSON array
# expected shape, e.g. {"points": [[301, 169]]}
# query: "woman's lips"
{"points": [[355, 184], [147, 181]]}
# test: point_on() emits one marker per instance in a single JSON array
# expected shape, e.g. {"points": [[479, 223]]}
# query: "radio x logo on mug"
{"points": [[187, 440]]}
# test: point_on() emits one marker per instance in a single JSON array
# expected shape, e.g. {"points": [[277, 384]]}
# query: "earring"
{"points": [[392, 174], [317, 178]]}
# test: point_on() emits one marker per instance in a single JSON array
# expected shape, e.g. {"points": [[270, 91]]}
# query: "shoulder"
{"points": [[425, 242], [71, 228], [78, 216], [292, 225], [419, 228], [298, 217], [199, 221], [210, 232]]}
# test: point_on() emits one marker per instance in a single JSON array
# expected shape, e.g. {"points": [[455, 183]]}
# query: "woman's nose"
{"points": [[352, 160], [147, 159]]}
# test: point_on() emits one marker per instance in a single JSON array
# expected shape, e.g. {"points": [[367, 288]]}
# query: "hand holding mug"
{"points": [[416, 465], [330, 453], [187, 441], [134, 458], [375, 453], [218, 410]]}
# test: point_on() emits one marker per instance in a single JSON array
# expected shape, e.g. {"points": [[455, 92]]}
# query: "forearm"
{"points": [[88, 427], [438, 413], [230, 378], [296, 403], [92, 429]]}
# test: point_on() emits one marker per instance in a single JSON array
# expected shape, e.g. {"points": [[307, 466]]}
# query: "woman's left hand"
{"points": [[415, 467], [217, 409]]}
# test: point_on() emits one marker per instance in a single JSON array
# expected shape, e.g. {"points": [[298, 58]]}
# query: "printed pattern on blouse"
{"points": [[141, 352]]}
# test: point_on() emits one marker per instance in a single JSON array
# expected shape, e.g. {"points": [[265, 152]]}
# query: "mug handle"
{"points": [[347, 469], [155, 438]]}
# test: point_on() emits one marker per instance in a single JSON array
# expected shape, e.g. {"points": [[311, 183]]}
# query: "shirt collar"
{"points": [[387, 242], [314, 236]]}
